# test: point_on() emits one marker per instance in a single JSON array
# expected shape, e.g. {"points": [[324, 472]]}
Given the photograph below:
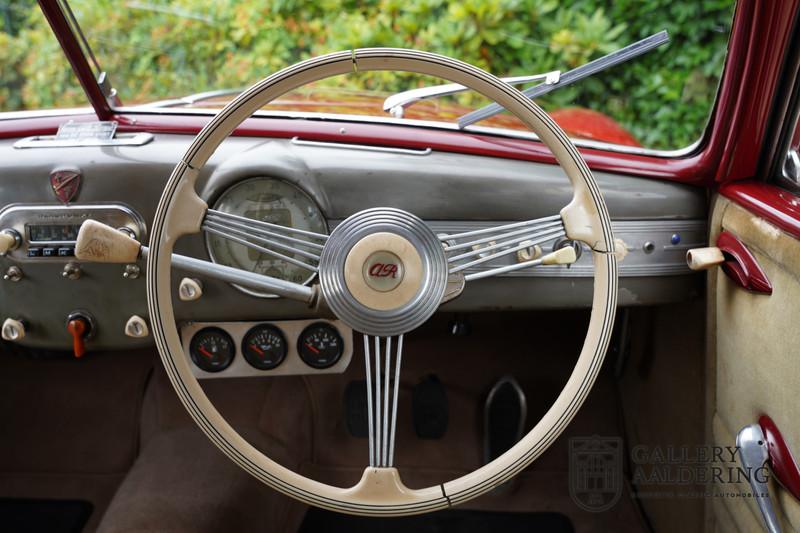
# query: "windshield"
{"points": [[157, 53]]}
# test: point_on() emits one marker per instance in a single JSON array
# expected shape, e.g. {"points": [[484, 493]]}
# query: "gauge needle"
{"points": [[312, 348], [257, 349], [205, 352]]}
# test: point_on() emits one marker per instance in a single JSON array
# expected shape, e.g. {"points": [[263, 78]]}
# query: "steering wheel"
{"points": [[384, 272]]}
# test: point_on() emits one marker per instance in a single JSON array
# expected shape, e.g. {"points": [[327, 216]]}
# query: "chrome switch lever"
{"points": [[753, 454]]}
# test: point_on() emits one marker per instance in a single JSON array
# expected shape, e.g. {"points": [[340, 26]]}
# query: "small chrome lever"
{"points": [[753, 454]]}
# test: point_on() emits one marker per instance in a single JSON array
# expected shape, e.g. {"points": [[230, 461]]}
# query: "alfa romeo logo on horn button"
{"points": [[383, 271]]}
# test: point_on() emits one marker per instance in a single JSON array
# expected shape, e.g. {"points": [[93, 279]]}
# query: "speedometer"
{"points": [[268, 200]]}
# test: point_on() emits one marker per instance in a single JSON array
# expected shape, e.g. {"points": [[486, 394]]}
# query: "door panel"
{"points": [[754, 355]]}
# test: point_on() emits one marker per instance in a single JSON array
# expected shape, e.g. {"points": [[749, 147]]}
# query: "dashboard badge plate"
{"points": [[65, 184]]}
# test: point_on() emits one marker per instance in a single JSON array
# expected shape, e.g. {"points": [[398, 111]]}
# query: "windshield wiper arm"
{"points": [[397, 103], [589, 69]]}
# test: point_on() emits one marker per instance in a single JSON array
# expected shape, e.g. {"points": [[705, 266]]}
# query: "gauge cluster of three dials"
{"points": [[236, 349]]}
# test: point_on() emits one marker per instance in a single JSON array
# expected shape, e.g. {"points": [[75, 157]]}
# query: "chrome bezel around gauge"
{"points": [[222, 196]]}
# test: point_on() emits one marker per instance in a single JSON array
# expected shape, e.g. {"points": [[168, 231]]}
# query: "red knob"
{"points": [[78, 328]]}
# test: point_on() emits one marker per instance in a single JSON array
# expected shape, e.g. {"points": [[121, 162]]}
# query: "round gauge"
{"points": [[264, 347], [268, 200], [320, 345], [212, 349]]}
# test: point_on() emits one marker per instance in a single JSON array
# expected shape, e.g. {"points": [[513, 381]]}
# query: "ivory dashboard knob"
{"points": [[562, 256], [13, 329], [136, 327], [190, 289], [9, 240], [534, 251], [704, 258], [99, 243]]}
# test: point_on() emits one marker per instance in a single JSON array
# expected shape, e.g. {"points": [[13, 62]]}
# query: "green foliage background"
{"points": [[158, 49]]}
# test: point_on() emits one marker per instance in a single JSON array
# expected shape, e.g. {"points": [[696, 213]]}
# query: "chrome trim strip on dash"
{"points": [[655, 248]]}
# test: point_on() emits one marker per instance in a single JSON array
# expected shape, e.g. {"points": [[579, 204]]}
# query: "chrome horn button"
{"points": [[383, 271]]}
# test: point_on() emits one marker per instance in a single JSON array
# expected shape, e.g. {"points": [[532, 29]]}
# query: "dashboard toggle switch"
{"points": [[14, 273], [71, 271], [132, 271], [13, 329], [136, 327], [190, 289], [81, 326]]}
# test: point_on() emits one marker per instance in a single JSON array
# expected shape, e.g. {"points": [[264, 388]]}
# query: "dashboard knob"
{"points": [[136, 327], [704, 258], [190, 289], [13, 329], [562, 256], [534, 251], [9, 240], [80, 327], [100, 243]]}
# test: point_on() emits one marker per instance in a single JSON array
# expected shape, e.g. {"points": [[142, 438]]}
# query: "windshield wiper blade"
{"points": [[397, 103], [589, 69]]}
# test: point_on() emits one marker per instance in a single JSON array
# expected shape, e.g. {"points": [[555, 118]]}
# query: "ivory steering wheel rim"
{"points": [[380, 491]]}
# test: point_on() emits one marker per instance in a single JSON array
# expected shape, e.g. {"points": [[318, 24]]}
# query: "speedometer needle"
{"points": [[257, 349], [312, 348]]}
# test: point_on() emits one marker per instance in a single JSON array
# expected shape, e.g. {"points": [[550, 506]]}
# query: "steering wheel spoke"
{"points": [[381, 417], [267, 238], [468, 250]]}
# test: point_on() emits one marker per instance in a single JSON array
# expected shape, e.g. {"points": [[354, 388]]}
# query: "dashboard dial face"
{"points": [[264, 347], [320, 345], [269, 200], [212, 349]]}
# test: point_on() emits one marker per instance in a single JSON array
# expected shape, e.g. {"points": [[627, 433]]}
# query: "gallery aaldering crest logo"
{"points": [[595, 472], [657, 471]]}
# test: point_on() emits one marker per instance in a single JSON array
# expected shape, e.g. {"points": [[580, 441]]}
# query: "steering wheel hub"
{"points": [[383, 271]]}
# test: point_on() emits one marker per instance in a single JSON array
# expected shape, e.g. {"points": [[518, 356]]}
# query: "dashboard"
{"points": [[311, 188]]}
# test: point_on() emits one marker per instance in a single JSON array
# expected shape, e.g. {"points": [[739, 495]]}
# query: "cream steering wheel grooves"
{"points": [[386, 307]]}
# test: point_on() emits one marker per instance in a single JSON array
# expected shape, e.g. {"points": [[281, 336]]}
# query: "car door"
{"points": [[754, 338]]}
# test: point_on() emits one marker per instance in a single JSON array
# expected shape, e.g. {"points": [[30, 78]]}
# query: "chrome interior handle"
{"points": [[753, 454]]}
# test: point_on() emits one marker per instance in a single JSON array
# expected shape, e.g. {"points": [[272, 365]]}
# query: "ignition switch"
{"points": [[81, 326]]}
